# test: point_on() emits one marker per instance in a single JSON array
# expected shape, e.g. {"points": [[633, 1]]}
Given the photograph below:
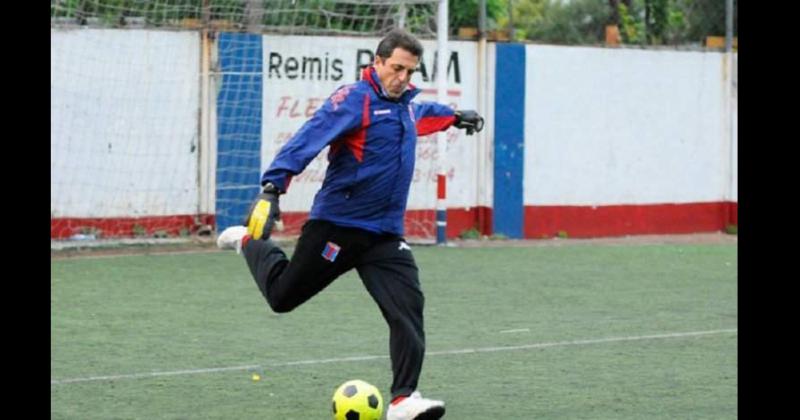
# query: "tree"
{"points": [[652, 22], [464, 13], [704, 17], [557, 22], [631, 23], [656, 16], [614, 6]]}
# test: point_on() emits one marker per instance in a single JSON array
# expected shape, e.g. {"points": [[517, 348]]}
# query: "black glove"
{"points": [[264, 213], [469, 120]]}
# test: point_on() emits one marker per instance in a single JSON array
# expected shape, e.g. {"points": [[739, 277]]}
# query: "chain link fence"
{"points": [[294, 17], [677, 23]]}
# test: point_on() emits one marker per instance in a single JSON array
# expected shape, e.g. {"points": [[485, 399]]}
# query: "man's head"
{"points": [[396, 60]]}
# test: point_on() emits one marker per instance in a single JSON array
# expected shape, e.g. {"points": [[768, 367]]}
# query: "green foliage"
{"points": [[113, 12], [657, 12], [676, 27], [139, 230], [705, 17], [671, 22], [631, 27], [472, 233], [90, 230], [464, 13], [653, 22], [575, 22], [644, 22], [526, 15]]}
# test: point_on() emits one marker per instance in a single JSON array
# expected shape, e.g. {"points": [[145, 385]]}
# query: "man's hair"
{"points": [[398, 38]]}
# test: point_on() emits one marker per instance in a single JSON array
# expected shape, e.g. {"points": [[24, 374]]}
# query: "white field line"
{"points": [[518, 330], [375, 357]]}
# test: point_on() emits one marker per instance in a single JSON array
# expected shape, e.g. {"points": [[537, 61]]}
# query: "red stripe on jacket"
{"points": [[430, 125], [366, 74], [355, 141]]}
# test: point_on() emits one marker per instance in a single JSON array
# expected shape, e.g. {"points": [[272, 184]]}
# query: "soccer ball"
{"points": [[357, 400]]}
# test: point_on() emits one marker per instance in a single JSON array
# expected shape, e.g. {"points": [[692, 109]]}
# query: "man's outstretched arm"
{"points": [[433, 117]]}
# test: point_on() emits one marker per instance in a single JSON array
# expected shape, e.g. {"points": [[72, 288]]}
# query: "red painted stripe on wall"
{"points": [[540, 221], [733, 213], [422, 223], [618, 220], [62, 228], [418, 223]]}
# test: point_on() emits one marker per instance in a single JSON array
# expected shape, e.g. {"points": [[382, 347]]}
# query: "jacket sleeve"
{"points": [[433, 117], [340, 114]]}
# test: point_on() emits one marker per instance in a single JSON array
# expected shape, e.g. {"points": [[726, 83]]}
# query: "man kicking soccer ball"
{"points": [[356, 220]]}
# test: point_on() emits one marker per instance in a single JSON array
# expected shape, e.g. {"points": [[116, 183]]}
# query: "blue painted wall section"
{"points": [[509, 140], [239, 104]]}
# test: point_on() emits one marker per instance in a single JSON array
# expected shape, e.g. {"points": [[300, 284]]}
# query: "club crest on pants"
{"points": [[331, 251]]}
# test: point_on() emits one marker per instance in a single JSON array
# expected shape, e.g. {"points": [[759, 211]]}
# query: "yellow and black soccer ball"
{"points": [[357, 400]]}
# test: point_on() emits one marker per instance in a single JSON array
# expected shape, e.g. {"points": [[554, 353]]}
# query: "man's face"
{"points": [[395, 72]]}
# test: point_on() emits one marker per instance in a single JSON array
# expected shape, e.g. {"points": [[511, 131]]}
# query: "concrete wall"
{"points": [[123, 123], [583, 141]]}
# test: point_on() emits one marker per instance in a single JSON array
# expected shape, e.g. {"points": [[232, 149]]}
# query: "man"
{"points": [[356, 220]]}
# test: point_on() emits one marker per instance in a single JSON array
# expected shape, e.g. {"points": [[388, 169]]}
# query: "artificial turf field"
{"points": [[575, 331]]}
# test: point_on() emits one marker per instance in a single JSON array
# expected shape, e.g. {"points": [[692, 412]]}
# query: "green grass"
{"points": [[167, 313]]}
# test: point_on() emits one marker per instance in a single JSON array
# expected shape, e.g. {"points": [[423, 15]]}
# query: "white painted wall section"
{"points": [[124, 123], [623, 126]]}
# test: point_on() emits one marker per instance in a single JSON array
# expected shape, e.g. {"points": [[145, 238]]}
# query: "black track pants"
{"points": [[386, 267]]}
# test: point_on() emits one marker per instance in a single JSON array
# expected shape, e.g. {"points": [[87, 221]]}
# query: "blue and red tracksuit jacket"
{"points": [[372, 142]]}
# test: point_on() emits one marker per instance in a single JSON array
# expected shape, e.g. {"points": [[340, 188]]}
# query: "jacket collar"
{"points": [[371, 76]]}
